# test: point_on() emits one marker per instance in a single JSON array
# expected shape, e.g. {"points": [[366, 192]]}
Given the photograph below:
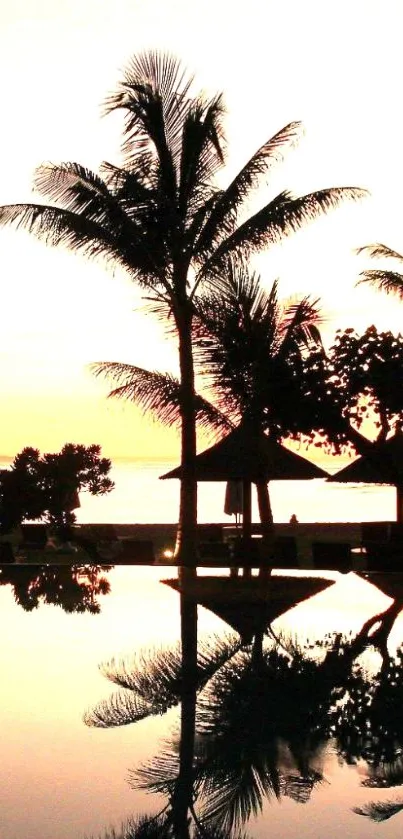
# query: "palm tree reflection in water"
{"points": [[256, 724]]}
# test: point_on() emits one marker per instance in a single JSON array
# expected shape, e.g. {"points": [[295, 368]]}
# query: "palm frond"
{"points": [[62, 183], [151, 681], [389, 281], [154, 96], [201, 156], [56, 226], [379, 811], [121, 708], [222, 219], [158, 775], [233, 793], [300, 324], [284, 215], [131, 187], [379, 250], [153, 673], [77, 189], [141, 827], [159, 394]]}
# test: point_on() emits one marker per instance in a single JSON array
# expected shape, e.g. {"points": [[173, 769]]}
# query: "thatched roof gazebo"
{"points": [[250, 457], [383, 465]]}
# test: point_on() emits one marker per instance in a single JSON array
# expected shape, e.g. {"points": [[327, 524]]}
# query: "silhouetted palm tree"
{"points": [[250, 348], [249, 352], [164, 219]]}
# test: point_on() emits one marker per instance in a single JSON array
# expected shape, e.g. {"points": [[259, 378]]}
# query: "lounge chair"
{"points": [[134, 552], [332, 556], [34, 536], [214, 554], [247, 553], [6, 552], [285, 553]]}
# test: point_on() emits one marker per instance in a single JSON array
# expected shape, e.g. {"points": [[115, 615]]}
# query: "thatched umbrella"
{"points": [[249, 605], [383, 465], [251, 458]]}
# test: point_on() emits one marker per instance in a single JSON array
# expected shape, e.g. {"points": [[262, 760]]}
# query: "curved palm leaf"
{"points": [[223, 216], [379, 811], [142, 827], [121, 708], [389, 281], [378, 249], [81, 234], [201, 157], [152, 682], [159, 393], [284, 215], [247, 344]]}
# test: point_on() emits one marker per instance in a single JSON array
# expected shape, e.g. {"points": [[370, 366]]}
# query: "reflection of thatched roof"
{"points": [[383, 465], [242, 455], [389, 582], [249, 605]]}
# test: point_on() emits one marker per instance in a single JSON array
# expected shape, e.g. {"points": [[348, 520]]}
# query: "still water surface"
{"points": [[289, 742]]}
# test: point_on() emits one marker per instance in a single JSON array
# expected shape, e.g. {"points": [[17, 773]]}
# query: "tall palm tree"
{"points": [[163, 217], [249, 347], [248, 350]]}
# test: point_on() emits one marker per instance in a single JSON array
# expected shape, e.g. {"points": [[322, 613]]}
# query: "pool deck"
{"points": [[163, 536]]}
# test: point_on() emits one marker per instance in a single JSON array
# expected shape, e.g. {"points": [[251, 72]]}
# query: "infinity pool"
{"points": [[291, 738]]}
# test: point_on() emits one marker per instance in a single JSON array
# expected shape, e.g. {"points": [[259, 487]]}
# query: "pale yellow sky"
{"points": [[336, 67]]}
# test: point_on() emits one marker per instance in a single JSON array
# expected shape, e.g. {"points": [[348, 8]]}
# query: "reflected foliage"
{"points": [[380, 811], [369, 723], [151, 682], [264, 726], [261, 725], [159, 827], [143, 827], [75, 588]]}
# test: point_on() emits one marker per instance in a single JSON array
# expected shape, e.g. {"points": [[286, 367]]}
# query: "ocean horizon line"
{"points": [[118, 459]]}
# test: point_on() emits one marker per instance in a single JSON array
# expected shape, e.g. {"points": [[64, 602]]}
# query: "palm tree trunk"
{"points": [[183, 794], [185, 549], [265, 511], [266, 519]]}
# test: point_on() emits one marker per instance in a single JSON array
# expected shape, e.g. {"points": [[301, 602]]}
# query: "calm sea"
{"points": [[139, 496]]}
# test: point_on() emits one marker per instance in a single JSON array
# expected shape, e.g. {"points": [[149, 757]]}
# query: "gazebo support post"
{"points": [[399, 504], [247, 520]]}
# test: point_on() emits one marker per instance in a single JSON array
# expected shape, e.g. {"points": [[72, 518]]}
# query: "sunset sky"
{"points": [[337, 67]]}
